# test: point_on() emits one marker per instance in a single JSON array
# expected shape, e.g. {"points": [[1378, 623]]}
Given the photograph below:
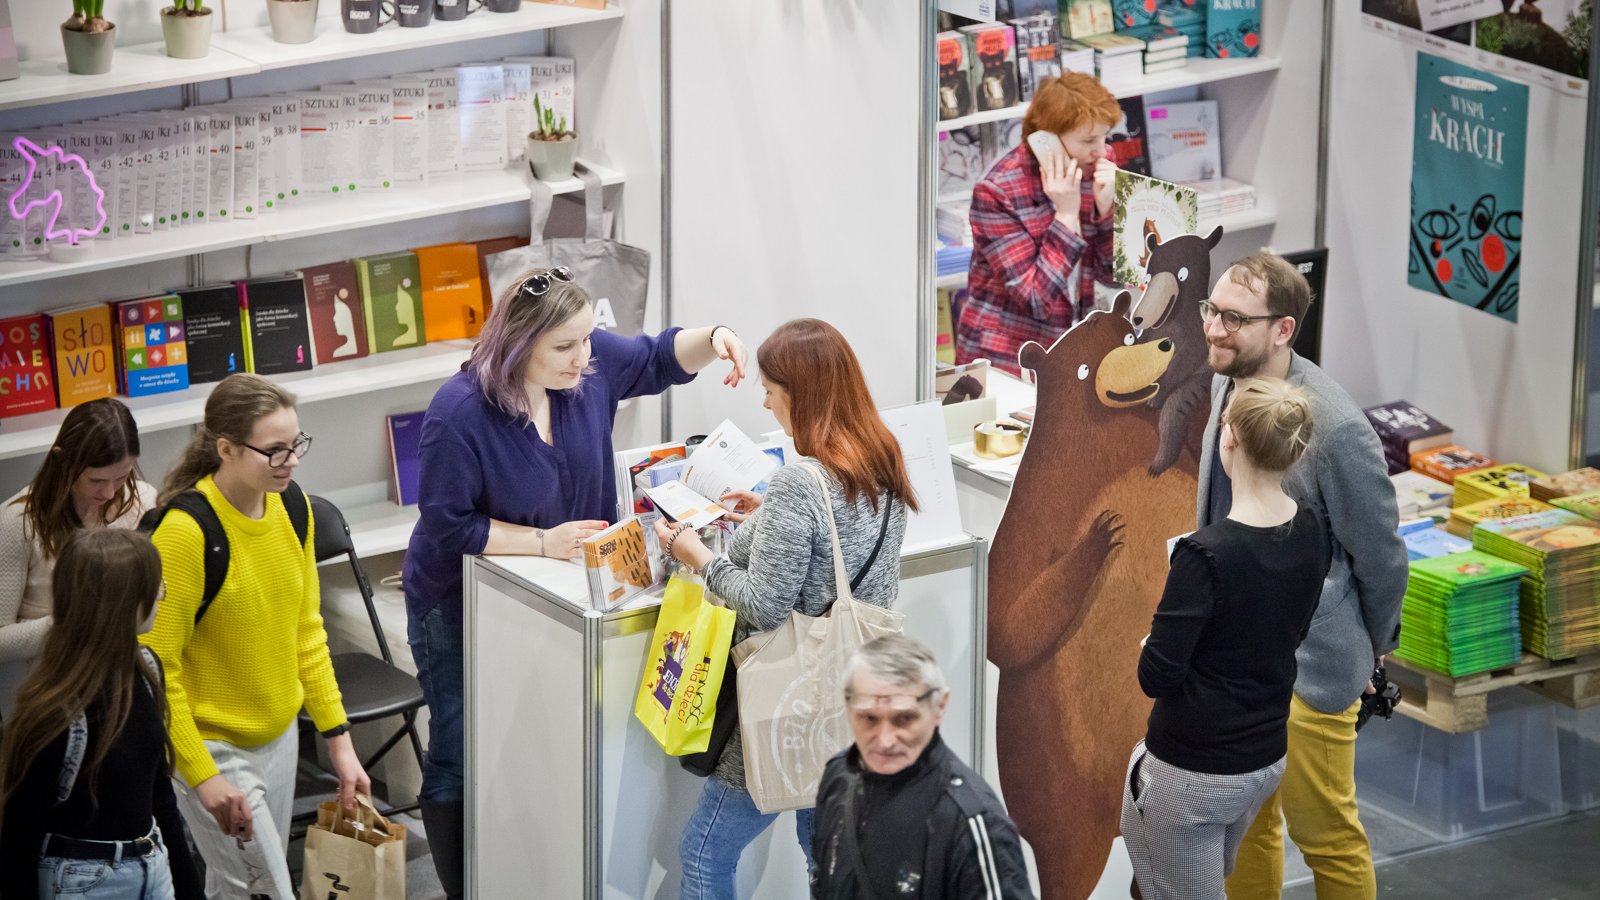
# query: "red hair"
{"points": [[831, 411], [1068, 102]]}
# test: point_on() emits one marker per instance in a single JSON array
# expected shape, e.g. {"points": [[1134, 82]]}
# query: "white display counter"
{"points": [[568, 796], [984, 485]]}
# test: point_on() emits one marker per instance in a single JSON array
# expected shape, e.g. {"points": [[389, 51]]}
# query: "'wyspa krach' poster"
{"points": [[1467, 166]]}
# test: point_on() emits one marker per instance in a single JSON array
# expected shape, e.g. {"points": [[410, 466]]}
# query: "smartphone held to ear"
{"points": [[1045, 143]]}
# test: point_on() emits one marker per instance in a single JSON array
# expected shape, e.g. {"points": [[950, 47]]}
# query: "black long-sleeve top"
{"points": [[1220, 658], [134, 789]]}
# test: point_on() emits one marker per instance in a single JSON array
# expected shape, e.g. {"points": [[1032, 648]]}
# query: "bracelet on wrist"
{"points": [[672, 541], [712, 337], [540, 533], [336, 730]]}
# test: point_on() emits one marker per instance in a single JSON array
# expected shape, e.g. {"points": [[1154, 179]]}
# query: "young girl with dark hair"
{"points": [[89, 479], [85, 763], [781, 558], [239, 672]]}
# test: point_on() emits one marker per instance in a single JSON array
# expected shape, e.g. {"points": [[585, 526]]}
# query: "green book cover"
{"points": [[391, 299], [1586, 504]]}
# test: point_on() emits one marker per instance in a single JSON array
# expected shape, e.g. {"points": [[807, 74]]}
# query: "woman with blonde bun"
{"points": [[1219, 659]]}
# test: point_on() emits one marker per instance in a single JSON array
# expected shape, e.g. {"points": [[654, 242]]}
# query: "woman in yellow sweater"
{"points": [[239, 670]]}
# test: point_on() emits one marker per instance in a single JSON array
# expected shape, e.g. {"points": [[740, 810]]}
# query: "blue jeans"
{"points": [[441, 670], [723, 823], [130, 878]]}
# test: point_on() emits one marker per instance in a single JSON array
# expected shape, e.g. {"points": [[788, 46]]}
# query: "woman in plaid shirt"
{"points": [[1041, 227]]}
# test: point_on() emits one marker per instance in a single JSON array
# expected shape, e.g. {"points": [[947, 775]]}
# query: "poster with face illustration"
{"points": [[1468, 155]]}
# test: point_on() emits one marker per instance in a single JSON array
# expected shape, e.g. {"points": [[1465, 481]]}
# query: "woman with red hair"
{"points": [[1041, 226], [781, 557]]}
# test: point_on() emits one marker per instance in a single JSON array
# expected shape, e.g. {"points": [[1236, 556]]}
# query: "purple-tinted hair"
{"points": [[515, 325]]}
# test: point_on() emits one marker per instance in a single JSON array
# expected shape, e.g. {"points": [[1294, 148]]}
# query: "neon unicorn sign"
{"points": [[35, 157]]}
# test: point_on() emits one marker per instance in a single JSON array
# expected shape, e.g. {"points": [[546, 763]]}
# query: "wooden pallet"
{"points": [[1458, 705]]}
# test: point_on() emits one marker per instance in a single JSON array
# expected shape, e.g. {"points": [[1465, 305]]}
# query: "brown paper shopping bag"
{"points": [[356, 855]]}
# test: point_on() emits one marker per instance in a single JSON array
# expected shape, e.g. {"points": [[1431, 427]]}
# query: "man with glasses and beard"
{"points": [[898, 815], [1251, 320]]}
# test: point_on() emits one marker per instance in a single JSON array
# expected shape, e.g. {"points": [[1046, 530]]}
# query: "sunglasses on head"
{"points": [[540, 284]]}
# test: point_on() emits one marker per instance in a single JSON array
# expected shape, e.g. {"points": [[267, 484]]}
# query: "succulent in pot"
{"points": [[186, 27], [552, 147], [88, 38]]}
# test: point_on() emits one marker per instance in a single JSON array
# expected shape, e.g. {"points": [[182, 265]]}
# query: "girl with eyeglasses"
{"points": [[87, 805], [240, 669], [516, 459], [89, 480]]}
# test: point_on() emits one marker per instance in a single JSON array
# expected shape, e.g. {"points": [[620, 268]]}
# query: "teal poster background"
{"points": [[1468, 158]]}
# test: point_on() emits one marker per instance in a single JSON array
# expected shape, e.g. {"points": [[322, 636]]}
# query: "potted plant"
{"points": [[552, 149], [186, 27], [88, 38], [293, 21]]}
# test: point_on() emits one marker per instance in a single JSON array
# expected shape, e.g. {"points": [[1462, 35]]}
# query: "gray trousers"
{"points": [[1183, 829], [236, 870]]}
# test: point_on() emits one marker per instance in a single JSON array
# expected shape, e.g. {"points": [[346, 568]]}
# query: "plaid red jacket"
{"points": [[1022, 261]]}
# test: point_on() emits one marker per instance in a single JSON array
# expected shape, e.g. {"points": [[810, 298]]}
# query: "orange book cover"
{"points": [[1445, 463], [85, 354], [452, 291]]}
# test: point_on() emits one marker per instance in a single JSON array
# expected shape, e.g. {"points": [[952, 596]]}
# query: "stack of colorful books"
{"points": [[1189, 17], [1461, 614], [1560, 610], [1464, 518], [1586, 504], [1445, 463], [1504, 480], [1420, 496], [1578, 481], [1430, 540], [1405, 430]]}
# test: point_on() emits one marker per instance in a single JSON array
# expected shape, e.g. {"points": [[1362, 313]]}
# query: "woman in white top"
{"points": [[89, 479]]}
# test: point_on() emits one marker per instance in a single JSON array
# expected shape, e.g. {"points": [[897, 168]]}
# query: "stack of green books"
{"points": [[1461, 613], [1586, 504], [1561, 594]]}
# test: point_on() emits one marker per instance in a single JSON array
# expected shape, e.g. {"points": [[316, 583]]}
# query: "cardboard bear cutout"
{"points": [[1079, 562], [1180, 277]]}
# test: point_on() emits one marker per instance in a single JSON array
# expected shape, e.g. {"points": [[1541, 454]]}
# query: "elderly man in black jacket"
{"points": [[898, 815]]}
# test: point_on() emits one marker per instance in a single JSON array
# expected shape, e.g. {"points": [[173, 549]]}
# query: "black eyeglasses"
{"points": [[279, 458], [540, 284], [1232, 321]]}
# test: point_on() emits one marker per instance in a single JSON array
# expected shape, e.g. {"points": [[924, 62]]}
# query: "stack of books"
{"points": [[1503, 480], [1461, 614], [1464, 518], [1222, 197], [1586, 504], [1188, 17], [1076, 57], [1420, 496], [1578, 481], [1424, 540], [1445, 463], [952, 222], [1164, 48], [951, 259], [1405, 430], [1560, 615], [1119, 59]]}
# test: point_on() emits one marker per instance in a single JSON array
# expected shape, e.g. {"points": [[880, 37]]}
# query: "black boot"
{"points": [[445, 823]]}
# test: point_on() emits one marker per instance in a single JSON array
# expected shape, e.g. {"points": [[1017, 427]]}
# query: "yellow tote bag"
{"points": [[683, 668]]}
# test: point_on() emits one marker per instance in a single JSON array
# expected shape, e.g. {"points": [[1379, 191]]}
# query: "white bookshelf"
{"points": [[35, 433], [1260, 217], [307, 217], [1199, 71], [251, 51]]}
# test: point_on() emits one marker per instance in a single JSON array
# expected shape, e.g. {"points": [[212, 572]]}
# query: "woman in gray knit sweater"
{"points": [[781, 558]]}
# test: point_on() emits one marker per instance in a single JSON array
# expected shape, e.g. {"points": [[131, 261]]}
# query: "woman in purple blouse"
{"points": [[516, 459]]}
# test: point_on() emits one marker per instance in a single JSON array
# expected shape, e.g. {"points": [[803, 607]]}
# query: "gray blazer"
{"points": [[1343, 471]]}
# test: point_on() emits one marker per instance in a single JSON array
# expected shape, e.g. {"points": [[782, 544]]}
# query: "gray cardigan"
{"points": [[1343, 471], [781, 560]]}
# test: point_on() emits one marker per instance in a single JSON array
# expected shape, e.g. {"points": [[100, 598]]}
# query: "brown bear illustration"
{"points": [[1075, 573], [1180, 277]]}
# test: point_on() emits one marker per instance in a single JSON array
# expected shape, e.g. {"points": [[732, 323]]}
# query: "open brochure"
{"points": [[728, 460]]}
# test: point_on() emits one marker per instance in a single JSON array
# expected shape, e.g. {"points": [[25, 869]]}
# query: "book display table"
{"points": [[550, 730]]}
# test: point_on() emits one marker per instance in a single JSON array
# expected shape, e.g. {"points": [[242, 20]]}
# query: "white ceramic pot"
{"points": [[293, 21], [552, 160], [187, 37], [88, 53]]}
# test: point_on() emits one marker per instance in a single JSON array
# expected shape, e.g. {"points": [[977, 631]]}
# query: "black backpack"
{"points": [[197, 507]]}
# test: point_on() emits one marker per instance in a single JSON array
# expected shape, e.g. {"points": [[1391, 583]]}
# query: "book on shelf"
{"points": [[1132, 14], [1182, 14], [1076, 57], [1233, 29], [1502, 480], [1445, 463], [1165, 65], [391, 297], [1146, 207], [26, 383], [152, 353], [961, 162], [1184, 141], [214, 321], [452, 291], [1086, 18], [993, 65], [481, 102], [1578, 481], [955, 76], [405, 456], [84, 352], [1160, 39], [333, 303], [1420, 496], [1126, 139], [621, 562], [278, 337], [1038, 50], [444, 124], [1403, 429]]}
